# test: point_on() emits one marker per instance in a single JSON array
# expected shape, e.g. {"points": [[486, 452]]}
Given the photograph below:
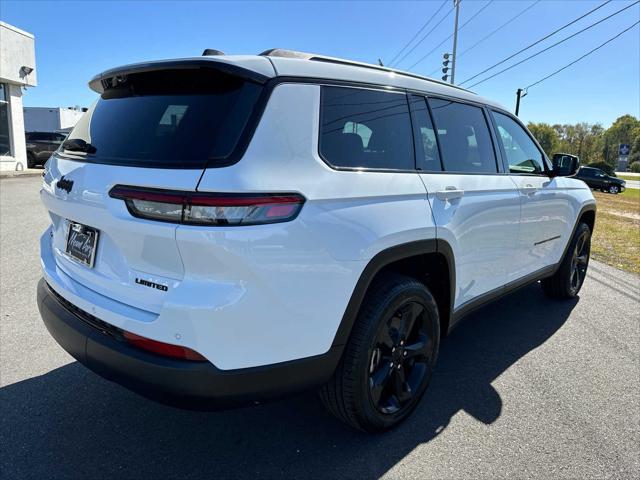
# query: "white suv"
{"points": [[228, 229]]}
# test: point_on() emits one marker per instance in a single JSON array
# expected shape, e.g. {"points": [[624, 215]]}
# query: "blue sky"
{"points": [[76, 40]]}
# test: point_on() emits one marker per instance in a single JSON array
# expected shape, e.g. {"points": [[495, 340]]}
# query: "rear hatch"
{"points": [[155, 126]]}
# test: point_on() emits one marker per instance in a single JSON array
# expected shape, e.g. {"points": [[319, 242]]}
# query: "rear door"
{"points": [[158, 130], [475, 205], [546, 208]]}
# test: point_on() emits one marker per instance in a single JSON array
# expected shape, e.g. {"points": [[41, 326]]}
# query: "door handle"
{"points": [[449, 193], [528, 189]]}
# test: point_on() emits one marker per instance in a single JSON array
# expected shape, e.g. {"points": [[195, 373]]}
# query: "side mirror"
{"points": [[565, 165]]}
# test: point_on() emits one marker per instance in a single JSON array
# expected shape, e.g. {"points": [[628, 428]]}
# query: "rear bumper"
{"points": [[186, 384]]}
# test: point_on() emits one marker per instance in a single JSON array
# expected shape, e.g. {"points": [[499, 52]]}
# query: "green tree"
{"points": [[546, 136], [635, 147], [624, 130]]}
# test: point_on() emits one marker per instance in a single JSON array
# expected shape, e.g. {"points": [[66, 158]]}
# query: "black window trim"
{"points": [[416, 140], [263, 100], [545, 160]]}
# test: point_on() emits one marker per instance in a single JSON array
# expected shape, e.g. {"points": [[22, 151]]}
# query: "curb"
{"points": [[29, 173]]}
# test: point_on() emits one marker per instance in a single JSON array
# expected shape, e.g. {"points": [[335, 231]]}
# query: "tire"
{"points": [[31, 160], [615, 189], [384, 372], [568, 280]]}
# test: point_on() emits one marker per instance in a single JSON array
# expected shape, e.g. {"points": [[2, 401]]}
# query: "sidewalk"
{"points": [[29, 172]]}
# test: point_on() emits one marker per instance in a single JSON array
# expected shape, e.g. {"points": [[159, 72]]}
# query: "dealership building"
{"points": [[17, 72]]}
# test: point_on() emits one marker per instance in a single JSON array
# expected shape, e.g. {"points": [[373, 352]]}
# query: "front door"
{"points": [[546, 209]]}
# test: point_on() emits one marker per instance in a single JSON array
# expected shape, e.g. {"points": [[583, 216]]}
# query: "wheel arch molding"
{"points": [[404, 255]]}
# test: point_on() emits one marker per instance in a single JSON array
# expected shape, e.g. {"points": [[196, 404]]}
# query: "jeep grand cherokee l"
{"points": [[229, 229]]}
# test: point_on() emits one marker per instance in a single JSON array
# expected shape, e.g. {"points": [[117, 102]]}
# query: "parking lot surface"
{"points": [[524, 388]]}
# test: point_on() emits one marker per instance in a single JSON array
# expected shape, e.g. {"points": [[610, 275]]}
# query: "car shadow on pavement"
{"points": [[69, 423]]}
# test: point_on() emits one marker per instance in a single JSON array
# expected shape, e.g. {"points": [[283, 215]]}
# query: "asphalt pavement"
{"points": [[524, 388]]}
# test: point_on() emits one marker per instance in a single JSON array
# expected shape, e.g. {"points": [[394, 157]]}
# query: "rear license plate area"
{"points": [[81, 243]]}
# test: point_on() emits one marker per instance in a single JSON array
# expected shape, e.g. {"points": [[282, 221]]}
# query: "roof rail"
{"points": [[282, 52]]}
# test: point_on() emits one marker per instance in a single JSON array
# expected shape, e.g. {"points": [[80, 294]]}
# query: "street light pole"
{"points": [[455, 42]]}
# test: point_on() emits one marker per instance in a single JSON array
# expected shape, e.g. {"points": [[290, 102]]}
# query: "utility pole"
{"points": [[519, 95], [455, 41]]}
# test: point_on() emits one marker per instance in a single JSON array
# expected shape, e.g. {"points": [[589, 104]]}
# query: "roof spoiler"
{"points": [[110, 78]]}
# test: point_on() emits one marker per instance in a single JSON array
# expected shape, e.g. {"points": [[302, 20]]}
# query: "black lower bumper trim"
{"points": [[196, 385]]}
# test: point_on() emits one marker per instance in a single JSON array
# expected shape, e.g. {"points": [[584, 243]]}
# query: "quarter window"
{"points": [[522, 153], [363, 128], [465, 141]]}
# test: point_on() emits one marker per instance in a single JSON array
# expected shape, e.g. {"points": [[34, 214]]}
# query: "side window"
{"points": [[465, 141], [365, 129], [38, 137], [523, 155], [428, 157]]}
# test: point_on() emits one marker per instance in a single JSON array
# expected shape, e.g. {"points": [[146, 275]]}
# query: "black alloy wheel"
{"points": [[389, 358], [400, 358], [567, 281], [580, 261]]}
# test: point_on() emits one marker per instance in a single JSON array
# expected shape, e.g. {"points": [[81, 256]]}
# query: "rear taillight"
{"points": [[198, 208], [164, 349]]}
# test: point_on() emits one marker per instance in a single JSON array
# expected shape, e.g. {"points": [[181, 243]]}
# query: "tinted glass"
{"points": [[365, 129], [522, 154], [171, 119], [427, 155], [465, 141]]}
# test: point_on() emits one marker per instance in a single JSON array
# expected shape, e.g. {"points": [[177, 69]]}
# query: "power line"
{"points": [[449, 37], [536, 42], [418, 32], [492, 33], [499, 28], [551, 46], [426, 35], [583, 56]]}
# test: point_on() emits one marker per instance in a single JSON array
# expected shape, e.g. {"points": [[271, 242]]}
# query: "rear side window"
{"points": [[365, 129], [465, 141], [522, 154], [168, 119]]}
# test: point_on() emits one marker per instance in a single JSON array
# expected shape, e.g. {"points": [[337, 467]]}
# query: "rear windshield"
{"points": [[167, 119]]}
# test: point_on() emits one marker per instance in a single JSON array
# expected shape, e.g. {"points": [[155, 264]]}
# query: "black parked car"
{"points": [[40, 146], [596, 178]]}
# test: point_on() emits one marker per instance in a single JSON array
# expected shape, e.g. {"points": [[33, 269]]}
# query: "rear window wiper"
{"points": [[78, 145]]}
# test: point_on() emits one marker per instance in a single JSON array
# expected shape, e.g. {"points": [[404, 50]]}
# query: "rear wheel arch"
{"points": [[428, 261]]}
